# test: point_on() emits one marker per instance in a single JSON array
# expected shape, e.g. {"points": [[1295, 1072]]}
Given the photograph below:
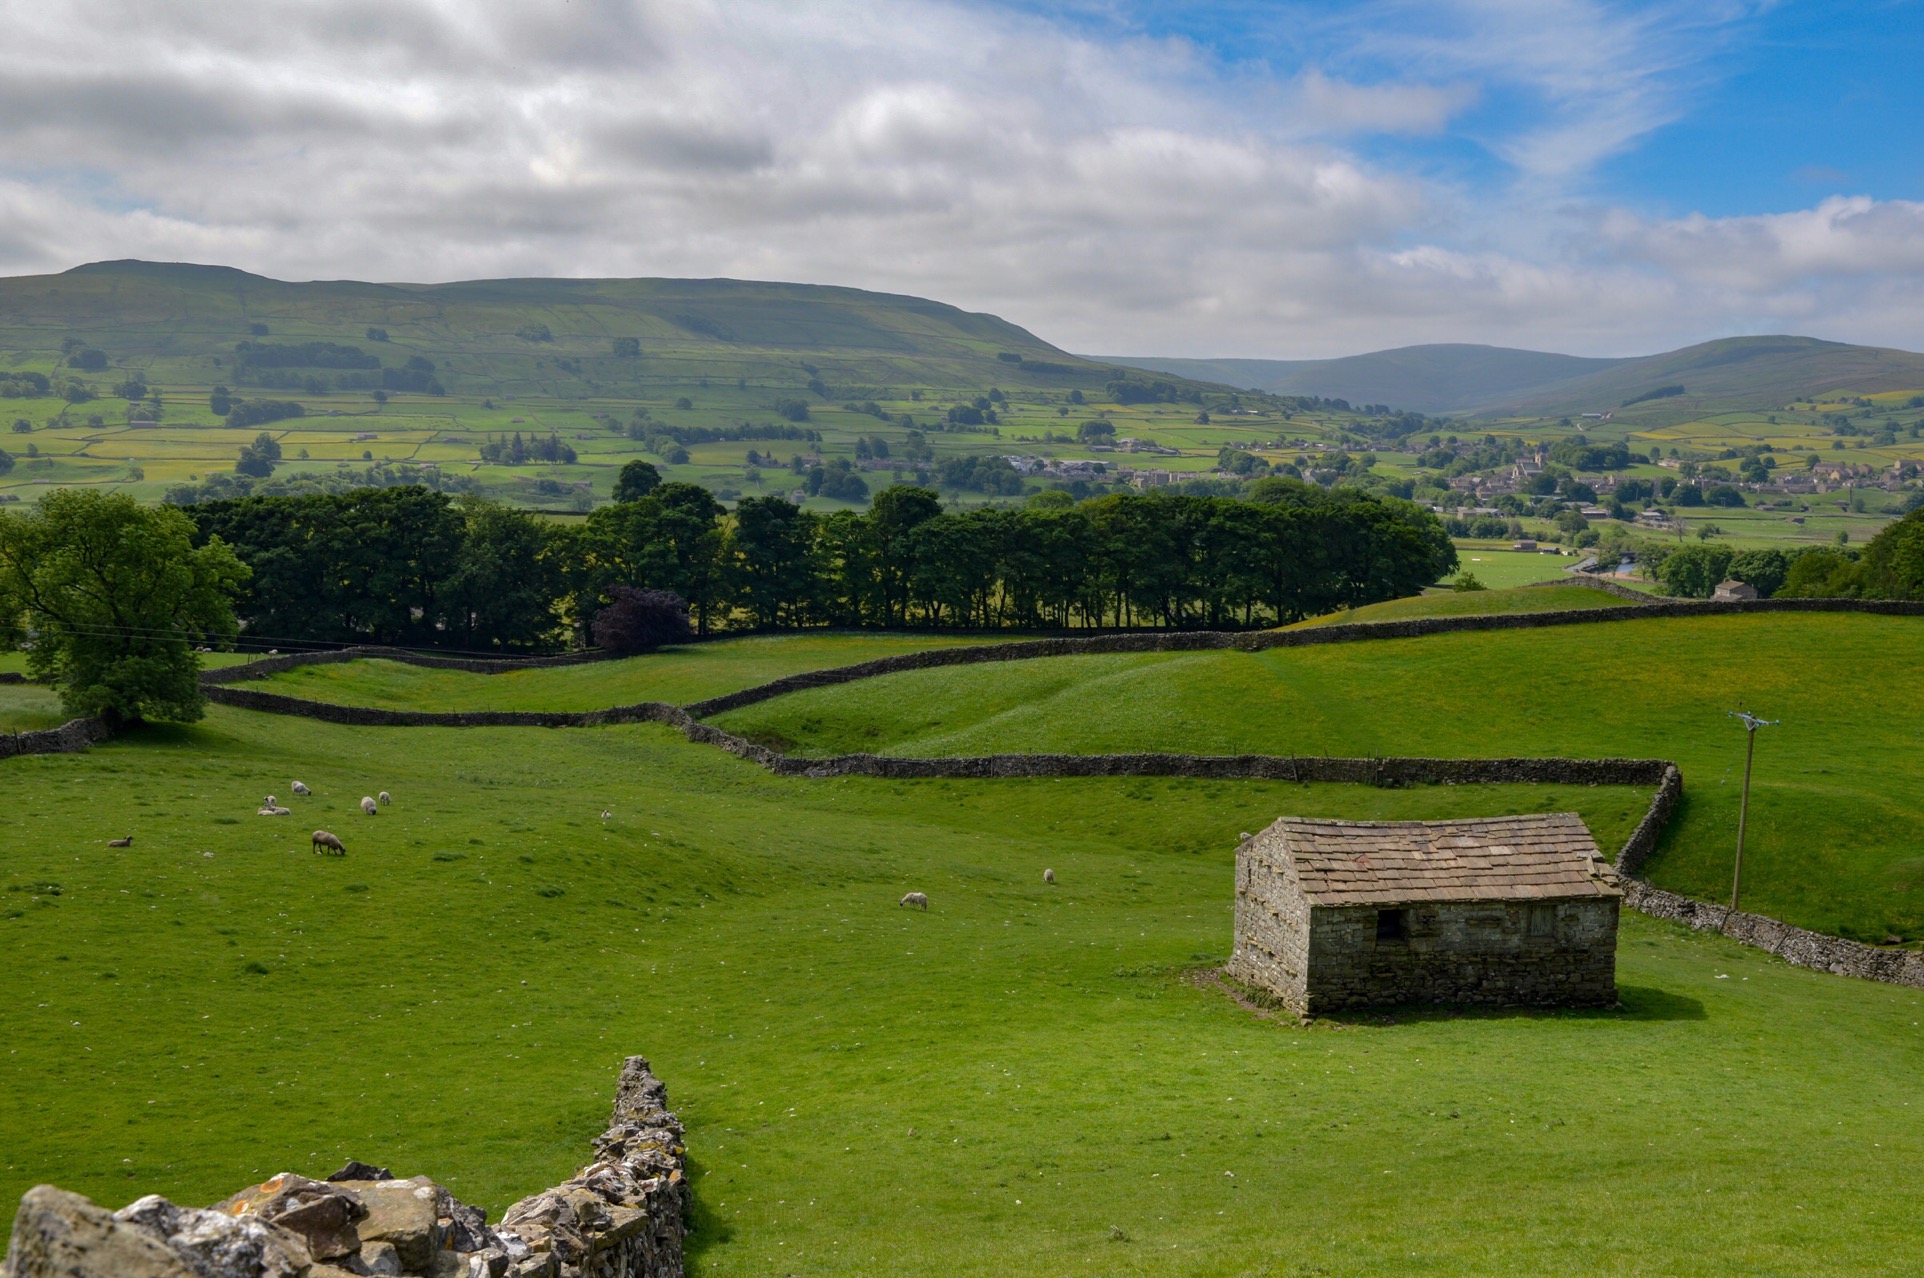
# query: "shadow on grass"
{"points": [[706, 1227], [1638, 1003]]}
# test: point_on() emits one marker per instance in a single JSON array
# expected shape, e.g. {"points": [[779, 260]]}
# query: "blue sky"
{"points": [[1284, 180], [1761, 106]]}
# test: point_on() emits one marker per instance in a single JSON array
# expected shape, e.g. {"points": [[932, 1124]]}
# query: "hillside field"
{"points": [[1839, 787], [1024, 1079]]}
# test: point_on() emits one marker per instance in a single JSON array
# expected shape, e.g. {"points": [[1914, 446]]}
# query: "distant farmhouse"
{"points": [[1341, 914]]}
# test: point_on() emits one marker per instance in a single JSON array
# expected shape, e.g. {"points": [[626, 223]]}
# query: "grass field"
{"points": [[1839, 787], [1020, 1080], [679, 675], [1499, 569], [29, 707], [1470, 603]]}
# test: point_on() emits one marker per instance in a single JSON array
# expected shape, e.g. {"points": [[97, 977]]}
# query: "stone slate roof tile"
{"points": [[1542, 857]]}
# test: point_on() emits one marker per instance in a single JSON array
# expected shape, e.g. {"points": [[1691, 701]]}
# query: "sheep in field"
{"points": [[323, 841], [275, 811], [270, 802], [385, 798], [301, 789], [121, 843], [1048, 876], [368, 806], [916, 898]]}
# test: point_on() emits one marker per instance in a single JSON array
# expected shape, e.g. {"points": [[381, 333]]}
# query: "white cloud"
{"points": [[1338, 106], [1110, 193]]}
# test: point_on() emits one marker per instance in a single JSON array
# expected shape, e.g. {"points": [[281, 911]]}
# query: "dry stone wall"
{"points": [[1795, 945], [622, 1216], [70, 737]]}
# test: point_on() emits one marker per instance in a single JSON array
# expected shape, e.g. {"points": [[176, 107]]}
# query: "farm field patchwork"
{"points": [[1024, 1075], [1839, 789]]}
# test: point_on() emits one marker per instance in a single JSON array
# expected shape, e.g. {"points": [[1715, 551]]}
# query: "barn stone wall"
{"points": [[1464, 952], [1271, 949]]}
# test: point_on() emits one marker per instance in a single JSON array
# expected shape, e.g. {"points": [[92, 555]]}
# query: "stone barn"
{"points": [[1336, 914]]}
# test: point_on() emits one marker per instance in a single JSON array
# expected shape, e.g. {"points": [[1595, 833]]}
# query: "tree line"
{"points": [[410, 566]]}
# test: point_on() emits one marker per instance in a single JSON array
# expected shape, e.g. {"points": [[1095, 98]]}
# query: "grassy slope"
{"points": [[1839, 788], [988, 1088], [679, 675], [1470, 603], [29, 707]]}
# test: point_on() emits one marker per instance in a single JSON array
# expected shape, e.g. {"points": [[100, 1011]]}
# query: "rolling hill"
{"points": [[1443, 378], [1730, 373], [182, 323], [1733, 373]]}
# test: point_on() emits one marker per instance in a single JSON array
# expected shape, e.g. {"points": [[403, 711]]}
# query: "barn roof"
{"points": [[1550, 855]]}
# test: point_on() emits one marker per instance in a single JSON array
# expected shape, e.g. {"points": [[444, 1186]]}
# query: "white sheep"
{"points": [[605, 814], [270, 801], [385, 798], [274, 811], [368, 805], [1048, 876], [916, 898], [301, 789]]}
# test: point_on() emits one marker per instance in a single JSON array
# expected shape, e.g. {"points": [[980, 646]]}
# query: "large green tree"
{"points": [[115, 596]]}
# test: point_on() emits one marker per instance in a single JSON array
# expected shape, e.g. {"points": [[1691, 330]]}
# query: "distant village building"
{"points": [[1337, 914], [1735, 590], [1525, 544]]}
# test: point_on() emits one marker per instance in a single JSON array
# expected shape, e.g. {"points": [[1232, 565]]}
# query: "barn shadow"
{"points": [[1637, 1003]]}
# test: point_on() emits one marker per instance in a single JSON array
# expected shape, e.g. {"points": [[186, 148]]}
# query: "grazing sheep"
{"points": [[605, 814], [1048, 876], [121, 843], [301, 789], [385, 798], [368, 806], [328, 842], [916, 898]]}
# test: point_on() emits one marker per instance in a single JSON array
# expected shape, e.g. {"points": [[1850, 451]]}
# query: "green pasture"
{"points": [[1498, 567], [27, 707], [678, 675], [1450, 603], [1839, 786], [1021, 1080]]}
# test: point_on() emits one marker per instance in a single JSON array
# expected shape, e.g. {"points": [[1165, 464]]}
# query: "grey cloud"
{"points": [[1128, 194]]}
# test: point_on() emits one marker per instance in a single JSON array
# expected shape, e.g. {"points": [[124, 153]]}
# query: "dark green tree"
{"points": [[773, 567], [117, 596], [636, 480]]}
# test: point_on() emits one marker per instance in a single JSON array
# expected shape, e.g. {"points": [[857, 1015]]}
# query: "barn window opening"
{"points": [[1392, 925], [1543, 920]]}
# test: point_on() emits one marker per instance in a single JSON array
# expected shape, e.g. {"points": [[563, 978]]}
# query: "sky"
{"points": [[1263, 180]]}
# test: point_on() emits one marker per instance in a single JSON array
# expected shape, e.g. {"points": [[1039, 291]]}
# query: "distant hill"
{"points": [[181, 324], [1730, 373], [1441, 378]]}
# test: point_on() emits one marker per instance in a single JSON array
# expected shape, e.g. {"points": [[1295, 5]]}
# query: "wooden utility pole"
{"points": [[1751, 724]]}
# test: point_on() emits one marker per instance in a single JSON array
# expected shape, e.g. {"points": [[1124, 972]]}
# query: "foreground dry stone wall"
{"points": [[622, 1216], [69, 738]]}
